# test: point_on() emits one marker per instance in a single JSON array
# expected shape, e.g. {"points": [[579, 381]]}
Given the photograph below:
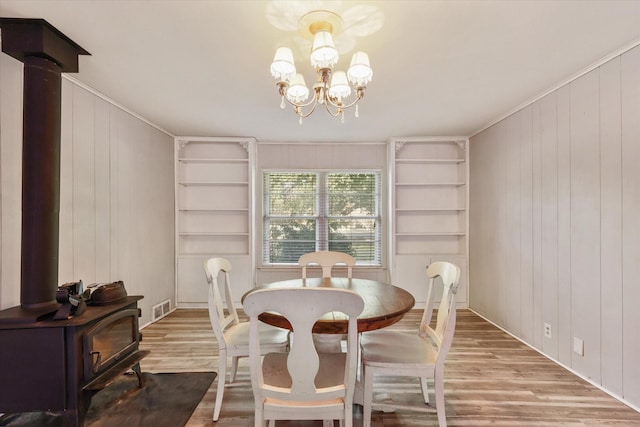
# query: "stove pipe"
{"points": [[46, 54]]}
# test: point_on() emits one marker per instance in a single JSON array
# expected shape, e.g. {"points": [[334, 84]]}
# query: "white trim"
{"points": [[214, 139], [589, 380], [115, 104], [564, 82], [316, 143], [428, 139]]}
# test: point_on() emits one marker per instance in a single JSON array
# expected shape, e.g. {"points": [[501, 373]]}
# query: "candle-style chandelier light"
{"points": [[332, 88]]}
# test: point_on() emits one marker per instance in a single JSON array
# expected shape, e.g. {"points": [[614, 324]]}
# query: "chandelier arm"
{"points": [[359, 96], [283, 92], [294, 104], [338, 111], [299, 112]]}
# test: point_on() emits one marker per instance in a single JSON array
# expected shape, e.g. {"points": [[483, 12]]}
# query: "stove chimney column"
{"points": [[46, 54]]}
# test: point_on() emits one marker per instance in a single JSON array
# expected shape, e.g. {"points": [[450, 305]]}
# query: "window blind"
{"points": [[321, 210]]}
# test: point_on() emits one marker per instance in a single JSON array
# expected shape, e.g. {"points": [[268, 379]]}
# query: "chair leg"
{"points": [[259, 420], [367, 396], [234, 369], [222, 379], [348, 418], [439, 388], [425, 389]]}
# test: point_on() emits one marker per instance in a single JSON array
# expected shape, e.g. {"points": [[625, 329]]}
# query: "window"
{"points": [[321, 210]]}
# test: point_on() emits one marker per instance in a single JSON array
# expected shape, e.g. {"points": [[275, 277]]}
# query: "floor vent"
{"points": [[160, 310]]}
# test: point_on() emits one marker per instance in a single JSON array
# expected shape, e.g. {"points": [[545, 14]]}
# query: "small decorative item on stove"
{"points": [[72, 300], [105, 293]]}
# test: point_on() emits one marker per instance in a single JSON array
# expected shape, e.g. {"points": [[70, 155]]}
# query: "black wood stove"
{"points": [[52, 362], [57, 365]]}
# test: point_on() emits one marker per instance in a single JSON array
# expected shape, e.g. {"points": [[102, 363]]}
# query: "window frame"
{"points": [[323, 218]]}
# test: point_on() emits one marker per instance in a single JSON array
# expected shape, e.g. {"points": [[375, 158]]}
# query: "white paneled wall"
{"points": [[10, 172], [554, 224], [116, 196]]}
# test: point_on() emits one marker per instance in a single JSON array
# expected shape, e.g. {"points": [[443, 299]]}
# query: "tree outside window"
{"points": [[321, 210]]}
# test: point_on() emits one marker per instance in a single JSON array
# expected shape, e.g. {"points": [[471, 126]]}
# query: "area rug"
{"points": [[166, 400]]}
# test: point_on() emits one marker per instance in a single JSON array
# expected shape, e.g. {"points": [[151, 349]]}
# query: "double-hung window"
{"points": [[310, 211]]}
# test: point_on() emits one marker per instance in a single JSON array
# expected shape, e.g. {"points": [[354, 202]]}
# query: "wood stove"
{"points": [[48, 364], [57, 365]]}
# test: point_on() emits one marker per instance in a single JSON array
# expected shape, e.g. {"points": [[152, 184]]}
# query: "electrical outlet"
{"points": [[547, 330]]}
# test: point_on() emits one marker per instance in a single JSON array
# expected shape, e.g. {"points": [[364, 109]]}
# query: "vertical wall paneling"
{"points": [[116, 194], [114, 185], [155, 233], [611, 223], [10, 178], [65, 251], [488, 281], [526, 224], [563, 326], [84, 214], [585, 222], [102, 190], [125, 181], [536, 216], [497, 271], [548, 293], [480, 224], [512, 288], [630, 84], [576, 208]]}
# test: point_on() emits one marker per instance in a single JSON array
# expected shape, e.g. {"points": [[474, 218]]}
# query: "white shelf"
{"points": [[426, 161], [199, 255], [211, 160], [212, 183], [211, 233], [418, 210], [214, 211], [429, 184], [428, 202], [432, 233], [213, 180]]}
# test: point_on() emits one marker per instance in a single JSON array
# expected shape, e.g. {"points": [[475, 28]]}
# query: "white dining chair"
{"points": [[303, 384], [231, 334], [327, 260], [421, 355]]}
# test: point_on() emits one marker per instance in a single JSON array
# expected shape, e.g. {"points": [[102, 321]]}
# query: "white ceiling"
{"points": [[201, 68]]}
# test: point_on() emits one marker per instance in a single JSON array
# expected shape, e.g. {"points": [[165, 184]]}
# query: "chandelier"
{"points": [[333, 89]]}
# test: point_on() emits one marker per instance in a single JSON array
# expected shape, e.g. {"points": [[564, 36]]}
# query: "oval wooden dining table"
{"points": [[384, 304]]}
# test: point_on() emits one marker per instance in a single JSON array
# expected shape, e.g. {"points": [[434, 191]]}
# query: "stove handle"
{"points": [[96, 364]]}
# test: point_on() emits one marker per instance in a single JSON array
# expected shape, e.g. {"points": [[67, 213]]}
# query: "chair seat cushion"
{"points": [[237, 336], [389, 347]]}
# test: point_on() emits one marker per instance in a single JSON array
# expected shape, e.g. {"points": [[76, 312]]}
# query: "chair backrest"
{"points": [[220, 320], [326, 260], [442, 333], [302, 359]]}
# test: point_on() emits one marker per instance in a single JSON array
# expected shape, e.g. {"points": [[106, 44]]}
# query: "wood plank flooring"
{"points": [[491, 379]]}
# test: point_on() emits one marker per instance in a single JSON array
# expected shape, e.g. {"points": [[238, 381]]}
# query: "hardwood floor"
{"points": [[491, 379]]}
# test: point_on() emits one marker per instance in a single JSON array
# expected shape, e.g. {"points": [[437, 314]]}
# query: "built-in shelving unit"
{"points": [[429, 194], [214, 195]]}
